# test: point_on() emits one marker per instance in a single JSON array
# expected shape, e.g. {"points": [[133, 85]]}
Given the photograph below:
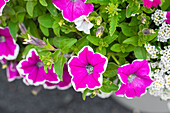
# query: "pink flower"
{"points": [[150, 3], [135, 79], [62, 85], [9, 49], [2, 5], [86, 69], [12, 72], [3, 61], [33, 70], [73, 9], [167, 18]]}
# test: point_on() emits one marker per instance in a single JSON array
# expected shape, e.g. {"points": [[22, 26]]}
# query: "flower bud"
{"points": [[148, 31], [99, 31]]}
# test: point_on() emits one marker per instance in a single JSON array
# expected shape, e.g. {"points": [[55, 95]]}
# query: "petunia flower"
{"points": [[3, 61], [73, 9], [83, 24], [86, 69], [2, 5], [167, 17], [135, 79], [62, 85], [9, 49], [150, 3], [33, 70], [12, 72]]}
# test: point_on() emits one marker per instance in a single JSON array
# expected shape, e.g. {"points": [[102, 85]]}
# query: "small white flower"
{"points": [[83, 24]]}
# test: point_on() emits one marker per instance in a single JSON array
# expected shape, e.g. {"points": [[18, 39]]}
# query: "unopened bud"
{"points": [[143, 20], [148, 31], [99, 31], [95, 92]]}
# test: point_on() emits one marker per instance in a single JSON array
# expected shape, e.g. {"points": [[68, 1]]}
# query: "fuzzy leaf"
{"points": [[113, 24], [58, 66]]}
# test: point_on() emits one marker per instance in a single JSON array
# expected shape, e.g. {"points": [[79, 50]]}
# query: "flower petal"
{"points": [[130, 91], [121, 91], [124, 72], [141, 68]]}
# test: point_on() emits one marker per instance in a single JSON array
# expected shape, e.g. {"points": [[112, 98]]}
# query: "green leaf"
{"points": [[129, 30], [111, 70], [46, 20], [56, 28], [13, 29], [116, 48], [132, 40], [43, 2], [32, 28], [30, 7], [165, 5], [81, 43], [94, 40], [132, 8], [110, 39], [55, 55], [101, 50], [51, 8], [66, 44], [85, 93], [102, 2], [113, 24], [140, 53], [130, 48], [58, 66], [44, 30], [108, 86]]}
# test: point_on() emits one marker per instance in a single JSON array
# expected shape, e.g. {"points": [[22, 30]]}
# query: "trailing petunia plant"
{"points": [[98, 47]]}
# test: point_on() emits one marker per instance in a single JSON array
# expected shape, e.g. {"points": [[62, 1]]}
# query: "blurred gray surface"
{"points": [[16, 97]]}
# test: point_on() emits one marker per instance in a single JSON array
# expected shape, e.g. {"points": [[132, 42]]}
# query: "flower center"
{"points": [[131, 77], [39, 64], [73, 0], [89, 69], [2, 39]]}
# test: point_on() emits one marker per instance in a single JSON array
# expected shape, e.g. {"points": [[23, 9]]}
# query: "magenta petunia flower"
{"points": [[135, 79], [9, 49], [2, 5], [62, 85], [150, 3], [73, 9], [3, 61], [33, 70], [12, 72], [167, 18], [86, 69]]}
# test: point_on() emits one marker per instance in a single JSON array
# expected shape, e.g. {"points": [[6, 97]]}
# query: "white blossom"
{"points": [[83, 24]]}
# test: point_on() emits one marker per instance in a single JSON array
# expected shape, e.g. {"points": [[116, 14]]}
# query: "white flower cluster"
{"points": [[161, 74], [164, 32], [158, 17], [152, 50]]}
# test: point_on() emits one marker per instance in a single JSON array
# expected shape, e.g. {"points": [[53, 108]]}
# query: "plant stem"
{"points": [[115, 60]]}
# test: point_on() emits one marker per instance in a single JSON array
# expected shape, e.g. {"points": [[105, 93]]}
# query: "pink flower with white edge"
{"points": [[2, 5], [12, 72], [62, 85], [9, 49], [73, 9], [150, 3], [3, 61], [135, 79], [167, 17], [33, 70], [86, 69]]}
